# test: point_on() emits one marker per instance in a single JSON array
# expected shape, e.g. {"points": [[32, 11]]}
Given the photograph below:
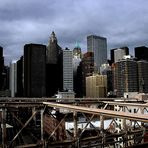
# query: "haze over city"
{"points": [[123, 23]]}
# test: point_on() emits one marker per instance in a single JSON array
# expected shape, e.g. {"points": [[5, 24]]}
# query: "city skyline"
{"points": [[123, 23]]}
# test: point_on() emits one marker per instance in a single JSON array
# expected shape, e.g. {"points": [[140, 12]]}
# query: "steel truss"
{"points": [[27, 117]]}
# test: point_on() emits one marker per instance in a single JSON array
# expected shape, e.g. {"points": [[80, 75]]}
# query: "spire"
{"points": [[77, 50], [77, 45], [53, 37]]}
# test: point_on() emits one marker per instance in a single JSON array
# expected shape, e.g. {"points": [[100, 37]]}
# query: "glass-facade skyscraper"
{"points": [[98, 45]]}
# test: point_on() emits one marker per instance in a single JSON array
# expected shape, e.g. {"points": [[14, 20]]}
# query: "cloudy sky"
{"points": [[122, 22]]}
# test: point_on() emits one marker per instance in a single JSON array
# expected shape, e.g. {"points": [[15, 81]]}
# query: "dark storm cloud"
{"points": [[123, 23]]}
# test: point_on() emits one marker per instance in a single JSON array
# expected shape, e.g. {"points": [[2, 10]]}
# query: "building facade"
{"points": [[143, 76], [67, 70], [13, 78], [34, 70], [1, 67], [98, 45], [141, 53], [77, 57], [52, 50], [20, 77], [87, 69], [54, 67], [125, 76], [96, 86], [118, 53]]}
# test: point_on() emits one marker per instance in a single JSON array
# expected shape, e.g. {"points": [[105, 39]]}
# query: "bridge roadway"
{"points": [[109, 113], [21, 101], [10, 99], [7, 102]]}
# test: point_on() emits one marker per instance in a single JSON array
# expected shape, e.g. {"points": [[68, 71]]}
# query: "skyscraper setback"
{"points": [[98, 45]]}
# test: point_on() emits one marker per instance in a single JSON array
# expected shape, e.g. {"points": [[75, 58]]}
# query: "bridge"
{"points": [[40, 122]]}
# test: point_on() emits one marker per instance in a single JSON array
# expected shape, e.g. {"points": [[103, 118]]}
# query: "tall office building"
{"points": [[118, 53], [141, 53], [77, 50], [98, 45], [125, 76], [13, 78], [6, 78], [87, 69], [20, 77], [106, 69], [77, 55], [143, 76], [52, 49], [1, 67], [67, 70], [34, 70], [54, 67]]}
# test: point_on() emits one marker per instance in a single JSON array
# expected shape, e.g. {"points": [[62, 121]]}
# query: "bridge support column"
{"points": [[75, 127], [102, 130], [42, 132], [4, 128]]}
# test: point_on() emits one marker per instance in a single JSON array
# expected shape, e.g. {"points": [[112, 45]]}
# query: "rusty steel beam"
{"points": [[22, 128], [57, 127], [22, 124], [88, 122], [29, 146], [20, 104], [109, 113]]}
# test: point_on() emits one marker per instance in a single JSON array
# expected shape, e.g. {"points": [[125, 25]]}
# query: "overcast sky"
{"points": [[122, 22]]}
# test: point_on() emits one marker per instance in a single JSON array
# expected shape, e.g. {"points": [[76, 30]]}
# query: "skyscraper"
{"points": [[67, 69], [13, 78], [141, 53], [34, 70], [87, 69], [76, 74], [143, 76], [118, 53], [77, 55], [20, 77], [52, 50], [1, 67], [54, 67], [98, 45], [105, 69], [125, 76]]}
